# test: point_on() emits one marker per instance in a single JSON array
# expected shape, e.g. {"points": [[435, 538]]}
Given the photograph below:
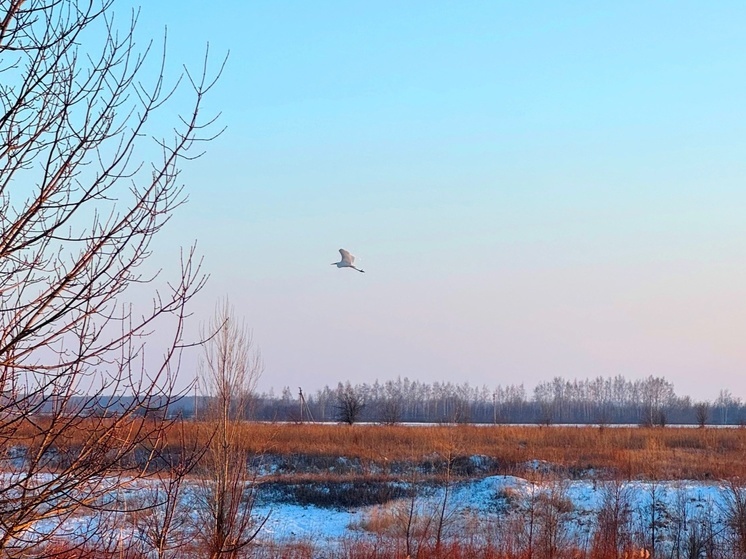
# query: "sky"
{"points": [[534, 189]]}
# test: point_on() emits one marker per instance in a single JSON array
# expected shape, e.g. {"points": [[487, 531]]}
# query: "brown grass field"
{"points": [[626, 452]]}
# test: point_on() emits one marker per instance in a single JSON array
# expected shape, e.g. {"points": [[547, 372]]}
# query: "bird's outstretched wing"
{"points": [[346, 256]]}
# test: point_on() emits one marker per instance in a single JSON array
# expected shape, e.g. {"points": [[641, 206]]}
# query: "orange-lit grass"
{"points": [[69, 433], [630, 452], [664, 453]]}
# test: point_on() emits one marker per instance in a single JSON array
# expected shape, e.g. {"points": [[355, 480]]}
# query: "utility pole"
{"points": [[303, 405]]}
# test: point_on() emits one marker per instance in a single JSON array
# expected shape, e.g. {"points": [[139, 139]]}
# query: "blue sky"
{"points": [[533, 188]]}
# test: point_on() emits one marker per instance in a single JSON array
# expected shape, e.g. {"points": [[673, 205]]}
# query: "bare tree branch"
{"points": [[81, 199]]}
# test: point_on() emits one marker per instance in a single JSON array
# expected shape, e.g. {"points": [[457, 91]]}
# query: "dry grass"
{"points": [[630, 452], [668, 453]]}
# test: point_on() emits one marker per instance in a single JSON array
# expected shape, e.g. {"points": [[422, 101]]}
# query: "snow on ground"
{"points": [[478, 503], [288, 522], [484, 501]]}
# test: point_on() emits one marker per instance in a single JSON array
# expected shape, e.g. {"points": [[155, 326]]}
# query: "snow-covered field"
{"points": [[477, 505], [490, 507]]}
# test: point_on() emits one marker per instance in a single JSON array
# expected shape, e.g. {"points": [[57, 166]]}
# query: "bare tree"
{"points": [[415, 523], [80, 203], [442, 514], [651, 515], [350, 404], [702, 413], [734, 509], [529, 511], [553, 518], [228, 376], [613, 533], [391, 411], [161, 518]]}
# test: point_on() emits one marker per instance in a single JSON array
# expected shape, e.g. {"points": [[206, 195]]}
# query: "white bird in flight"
{"points": [[347, 261]]}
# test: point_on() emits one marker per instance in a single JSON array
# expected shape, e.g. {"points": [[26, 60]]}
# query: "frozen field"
{"points": [[477, 506], [498, 508]]}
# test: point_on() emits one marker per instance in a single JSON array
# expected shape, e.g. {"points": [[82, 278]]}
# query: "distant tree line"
{"points": [[617, 400]]}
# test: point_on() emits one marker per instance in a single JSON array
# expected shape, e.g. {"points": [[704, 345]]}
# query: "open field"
{"points": [[489, 518], [626, 452], [397, 491]]}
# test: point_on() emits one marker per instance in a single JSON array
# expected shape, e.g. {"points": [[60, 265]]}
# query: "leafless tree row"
{"points": [[650, 401]]}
